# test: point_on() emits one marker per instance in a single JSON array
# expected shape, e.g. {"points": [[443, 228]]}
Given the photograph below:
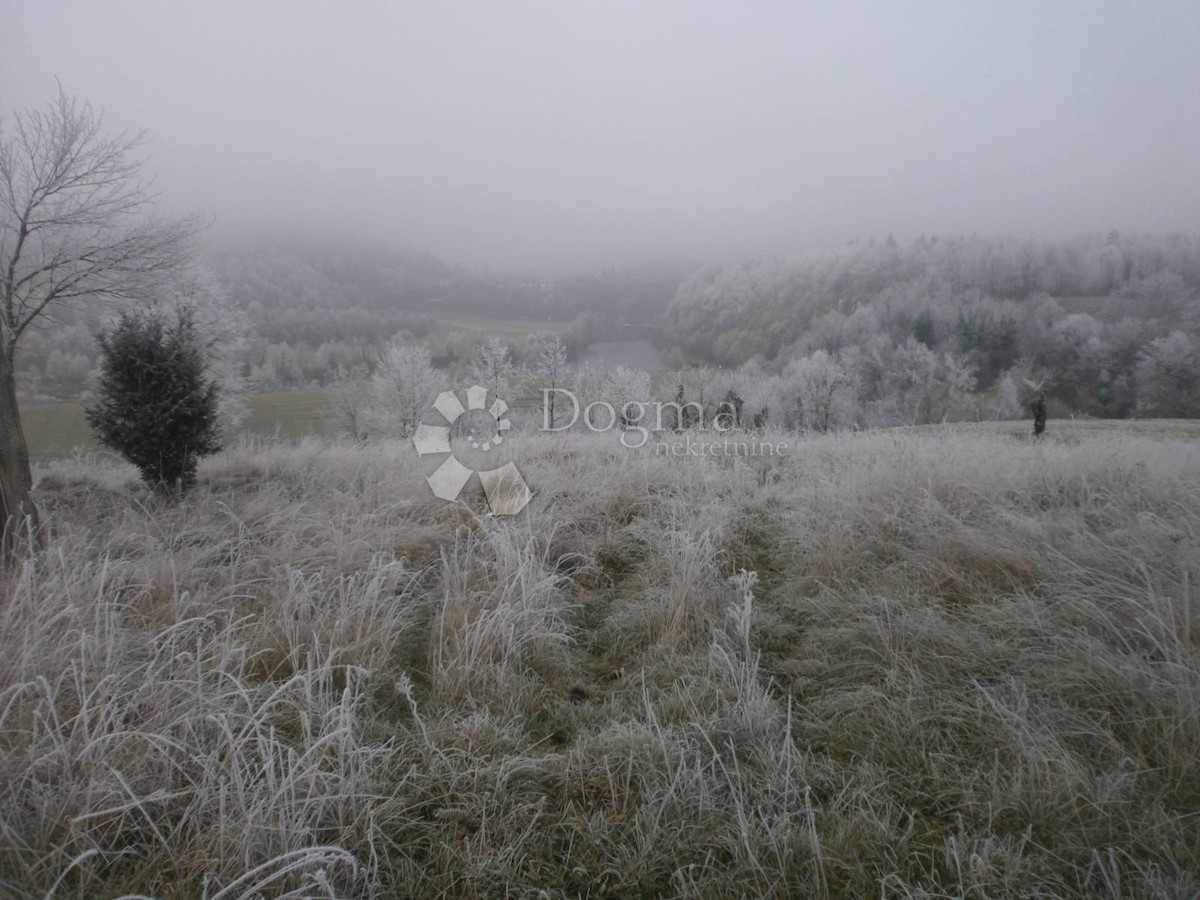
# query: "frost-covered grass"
{"points": [[965, 664]]}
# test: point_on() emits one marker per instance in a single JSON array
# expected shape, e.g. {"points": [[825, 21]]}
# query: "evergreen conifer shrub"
{"points": [[155, 402]]}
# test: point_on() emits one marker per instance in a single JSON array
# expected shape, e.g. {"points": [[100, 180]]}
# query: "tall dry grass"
{"points": [[949, 663]]}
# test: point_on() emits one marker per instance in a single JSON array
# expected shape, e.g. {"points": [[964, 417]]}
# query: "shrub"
{"points": [[156, 404]]}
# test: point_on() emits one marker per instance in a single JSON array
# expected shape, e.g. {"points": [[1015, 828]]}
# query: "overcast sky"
{"points": [[569, 135]]}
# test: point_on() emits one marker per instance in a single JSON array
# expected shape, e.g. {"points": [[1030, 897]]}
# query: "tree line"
{"points": [[1108, 324]]}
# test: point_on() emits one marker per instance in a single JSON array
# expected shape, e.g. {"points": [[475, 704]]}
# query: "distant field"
{"points": [[55, 430], [636, 354]]}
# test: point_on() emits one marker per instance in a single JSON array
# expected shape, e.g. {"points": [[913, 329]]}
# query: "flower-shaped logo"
{"points": [[506, 491]]}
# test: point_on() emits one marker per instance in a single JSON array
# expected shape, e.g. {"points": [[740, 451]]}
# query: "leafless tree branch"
{"points": [[75, 217]]}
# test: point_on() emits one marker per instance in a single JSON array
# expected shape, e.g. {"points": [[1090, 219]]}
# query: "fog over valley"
{"points": [[565, 137]]}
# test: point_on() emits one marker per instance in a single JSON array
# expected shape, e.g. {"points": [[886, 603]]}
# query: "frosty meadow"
{"points": [[966, 663]]}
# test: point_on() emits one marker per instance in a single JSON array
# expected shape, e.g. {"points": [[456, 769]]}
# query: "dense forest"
{"points": [[1107, 324]]}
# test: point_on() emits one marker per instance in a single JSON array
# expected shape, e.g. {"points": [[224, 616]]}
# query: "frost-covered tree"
{"points": [[625, 388], [1168, 377], [702, 387], [588, 385], [1074, 350], [551, 368], [349, 403], [493, 366], [404, 384], [926, 385], [821, 387], [763, 396]]}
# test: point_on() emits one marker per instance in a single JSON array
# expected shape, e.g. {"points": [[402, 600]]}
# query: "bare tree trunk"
{"points": [[18, 515]]}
